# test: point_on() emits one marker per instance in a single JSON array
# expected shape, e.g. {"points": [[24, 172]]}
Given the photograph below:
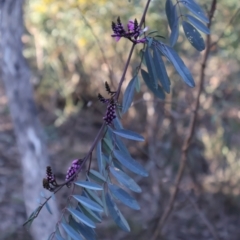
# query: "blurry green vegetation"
{"points": [[63, 46]]}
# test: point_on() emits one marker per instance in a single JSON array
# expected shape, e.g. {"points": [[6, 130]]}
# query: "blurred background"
{"points": [[71, 54]]}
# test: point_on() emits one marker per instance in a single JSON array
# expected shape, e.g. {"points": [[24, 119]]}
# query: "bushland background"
{"points": [[71, 54]]}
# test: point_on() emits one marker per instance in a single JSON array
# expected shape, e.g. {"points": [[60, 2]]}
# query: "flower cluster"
{"points": [[49, 182], [110, 113], [111, 105], [132, 33], [76, 164]]}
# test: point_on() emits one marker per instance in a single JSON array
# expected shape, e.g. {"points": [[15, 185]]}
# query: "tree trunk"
{"points": [[16, 77]]}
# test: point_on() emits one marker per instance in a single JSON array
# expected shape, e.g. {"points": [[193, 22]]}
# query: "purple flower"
{"points": [[50, 182], [132, 33], [110, 113], [76, 164]]}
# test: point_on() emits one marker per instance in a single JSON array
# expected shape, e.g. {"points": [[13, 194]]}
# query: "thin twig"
{"points": [[162, 220], [230, 22], [110, 72], [208, 224]]}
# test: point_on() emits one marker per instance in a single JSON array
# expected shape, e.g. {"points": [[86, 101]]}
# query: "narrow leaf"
{"points": [[124, 197], [128, 162], [88, 203], [178, 64], [175, 28], [192, 6], [88, 213], [125, 180], [99, 157], [138, 84], [129, 94], [104, 203], [89, 185], [48, 208], [169, 12], [193, 36], [107, 142], [198, 24], [151, 69], [117, 123], [116, 214], [91, 194], [161, 70], [87, 232], [71, 232], [81, 217], [157, 92], [121, 146], [129, 135], [96, 176]]}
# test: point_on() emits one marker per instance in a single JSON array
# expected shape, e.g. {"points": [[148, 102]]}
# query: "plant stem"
{"points": [[163, 219]]}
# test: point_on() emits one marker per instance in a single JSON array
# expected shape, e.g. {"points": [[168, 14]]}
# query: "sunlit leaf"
{"points": [[192, 6], [198, 24]]}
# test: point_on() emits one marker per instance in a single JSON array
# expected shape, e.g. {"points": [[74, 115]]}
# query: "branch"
{"points": [[162, 220], [101, 130], [131, 51]]}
